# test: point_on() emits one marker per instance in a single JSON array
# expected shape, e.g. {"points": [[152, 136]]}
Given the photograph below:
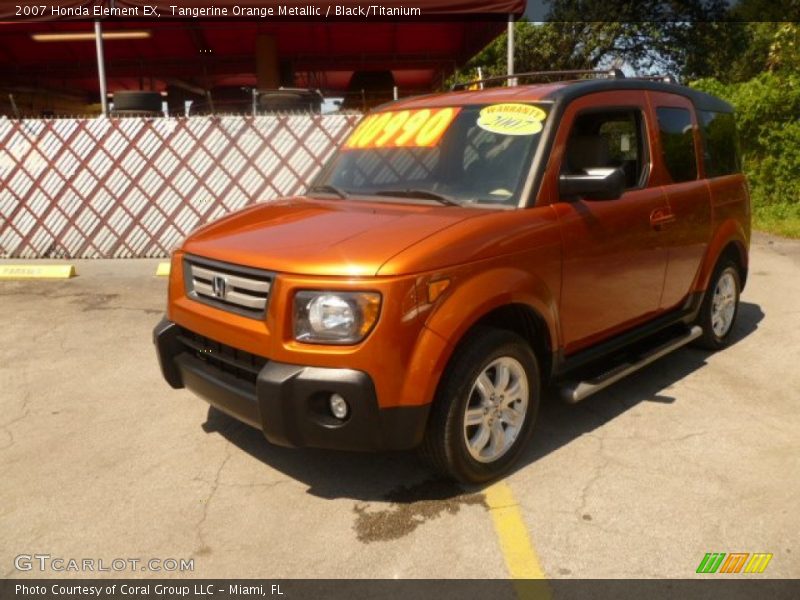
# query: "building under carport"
{"points": [[50, 68], [77, 186]]}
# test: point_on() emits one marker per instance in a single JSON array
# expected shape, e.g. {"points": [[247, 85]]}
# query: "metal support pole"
{"points": [[510, 50], [14, 105], [101, 67]]}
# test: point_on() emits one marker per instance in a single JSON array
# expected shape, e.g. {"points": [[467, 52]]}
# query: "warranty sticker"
{"points": [[512, 119]]}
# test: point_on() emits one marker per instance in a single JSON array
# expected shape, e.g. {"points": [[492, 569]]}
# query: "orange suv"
{"points": [[459, 252]]}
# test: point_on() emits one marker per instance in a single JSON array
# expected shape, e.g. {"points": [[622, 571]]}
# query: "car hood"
{"points": [[320, 237]]}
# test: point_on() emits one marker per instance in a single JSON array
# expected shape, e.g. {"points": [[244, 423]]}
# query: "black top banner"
{"points": [[249, 9], [365, 10]]}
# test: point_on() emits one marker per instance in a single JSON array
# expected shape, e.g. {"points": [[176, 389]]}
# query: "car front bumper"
{"points": [[289, 403]]}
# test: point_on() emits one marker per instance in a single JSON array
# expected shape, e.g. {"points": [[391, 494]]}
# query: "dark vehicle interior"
{"points": [[608, 139]]}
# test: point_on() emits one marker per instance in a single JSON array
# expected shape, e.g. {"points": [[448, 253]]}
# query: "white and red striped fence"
{"points": [[134, 187]]}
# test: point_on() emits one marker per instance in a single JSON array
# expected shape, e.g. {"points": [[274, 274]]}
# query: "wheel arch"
{"points": [[525, 307], [729, 242], [525, 321]]}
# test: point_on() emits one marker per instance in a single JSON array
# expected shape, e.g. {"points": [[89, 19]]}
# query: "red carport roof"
{"points": [[205, 52]]}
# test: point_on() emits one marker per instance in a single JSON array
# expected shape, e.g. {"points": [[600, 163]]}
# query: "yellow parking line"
{"points": [[36, 271], [162, 270], [518, 551]]}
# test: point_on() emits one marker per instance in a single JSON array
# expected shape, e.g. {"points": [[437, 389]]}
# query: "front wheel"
{"points": [[720, 307], [485, 407]]}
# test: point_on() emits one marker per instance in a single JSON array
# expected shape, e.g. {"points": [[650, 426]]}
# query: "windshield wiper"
{"points": [[425, 194], [329, 189]]}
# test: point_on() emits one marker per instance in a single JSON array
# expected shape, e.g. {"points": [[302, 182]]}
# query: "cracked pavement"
{"points": [[101, 459]]}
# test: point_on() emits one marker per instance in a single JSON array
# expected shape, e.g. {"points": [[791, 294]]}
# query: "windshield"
{"points": [[468, 155]]}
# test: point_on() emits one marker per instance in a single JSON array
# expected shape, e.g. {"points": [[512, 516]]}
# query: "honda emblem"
{"points": [[219, 285]]}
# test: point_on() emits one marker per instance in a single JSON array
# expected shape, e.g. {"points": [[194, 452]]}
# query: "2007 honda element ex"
{"points": [[459, 252]]}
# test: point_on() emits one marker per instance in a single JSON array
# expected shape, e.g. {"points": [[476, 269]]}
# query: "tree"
{"points": [[692, 39], [784, 52], [565, 45]]}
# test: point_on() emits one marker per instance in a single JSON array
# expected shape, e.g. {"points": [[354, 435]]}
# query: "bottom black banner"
{"points": [[414, 589]]}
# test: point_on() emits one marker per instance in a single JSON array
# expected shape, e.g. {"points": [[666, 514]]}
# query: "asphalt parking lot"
{"points": [[101, 459]]}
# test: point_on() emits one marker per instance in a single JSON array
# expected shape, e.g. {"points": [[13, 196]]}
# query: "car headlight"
{"points": [[322, 317]]}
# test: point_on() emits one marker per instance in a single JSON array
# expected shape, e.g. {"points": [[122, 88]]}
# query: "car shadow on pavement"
{"points": [[560, 423], [331, 474], [400, 477]]}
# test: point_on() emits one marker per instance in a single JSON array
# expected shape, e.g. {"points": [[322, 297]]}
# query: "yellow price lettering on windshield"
{"points": [[392, 127], [402, 129], [369, 129], [412, 126]]}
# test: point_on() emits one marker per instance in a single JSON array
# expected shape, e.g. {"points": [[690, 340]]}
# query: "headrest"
{"points": [[587, 151]]}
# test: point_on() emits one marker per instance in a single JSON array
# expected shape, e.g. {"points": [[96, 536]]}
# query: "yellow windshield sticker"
{"points": [[422, 128], [512, 119]]}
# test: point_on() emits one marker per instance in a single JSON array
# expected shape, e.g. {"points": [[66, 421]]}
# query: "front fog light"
{"points": [[334, 317], [338, 405]]}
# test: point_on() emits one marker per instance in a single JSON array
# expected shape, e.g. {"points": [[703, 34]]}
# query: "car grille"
{"points": [[242, 290], [227, 359]]}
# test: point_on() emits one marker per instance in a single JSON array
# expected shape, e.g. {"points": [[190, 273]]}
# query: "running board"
{"points": [[575, 391]]}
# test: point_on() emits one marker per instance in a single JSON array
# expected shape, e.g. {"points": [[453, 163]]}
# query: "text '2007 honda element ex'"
{"points": [[459, 252]]}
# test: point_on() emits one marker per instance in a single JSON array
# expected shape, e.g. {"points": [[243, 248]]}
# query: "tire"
{"points": [[463, 452], [720, 306]]}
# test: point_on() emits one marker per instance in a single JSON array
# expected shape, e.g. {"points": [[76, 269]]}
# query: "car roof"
{"points": [[558, 92]]}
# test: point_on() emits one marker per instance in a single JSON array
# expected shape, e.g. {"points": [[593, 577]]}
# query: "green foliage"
{"points": [[723, 50], [781, 219], [784, 52], [768, 120], [734, 51]]}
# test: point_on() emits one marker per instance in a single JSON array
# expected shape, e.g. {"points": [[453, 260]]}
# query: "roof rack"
{"points": [[606, 73], [666, 78]]}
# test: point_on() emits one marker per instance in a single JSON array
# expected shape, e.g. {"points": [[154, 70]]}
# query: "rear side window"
{"points": [[720, 143], [677, 143]]}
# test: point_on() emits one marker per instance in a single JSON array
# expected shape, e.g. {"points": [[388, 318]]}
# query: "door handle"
{"points": [[661, 217]]}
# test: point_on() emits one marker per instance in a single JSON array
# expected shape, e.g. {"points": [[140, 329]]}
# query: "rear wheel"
{"points": [[485, 407], [720, 306]]}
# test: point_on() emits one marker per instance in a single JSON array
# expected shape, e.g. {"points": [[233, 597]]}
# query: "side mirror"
{"points": [[593, 184]]}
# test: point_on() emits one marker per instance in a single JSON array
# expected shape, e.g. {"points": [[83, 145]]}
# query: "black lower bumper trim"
{"points": [[290, 403], [165, 337], [223, 392]]}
